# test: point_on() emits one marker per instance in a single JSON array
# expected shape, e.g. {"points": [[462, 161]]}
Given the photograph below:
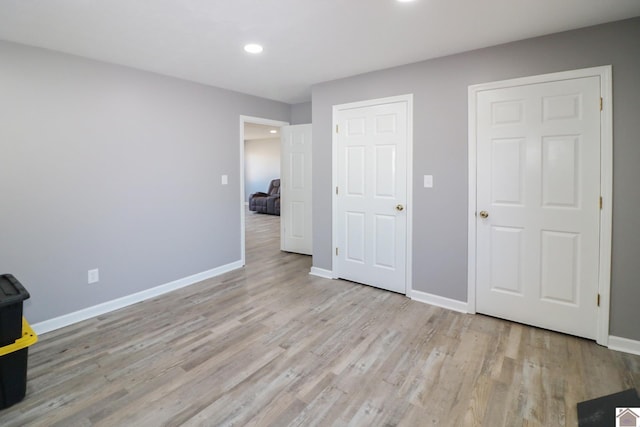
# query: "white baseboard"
{"points": [[118, 303], [321, 272], [438, 301], [624, 344]]}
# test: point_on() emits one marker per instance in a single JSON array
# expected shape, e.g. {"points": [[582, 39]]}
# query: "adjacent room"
{"points": [[402, 212], [261, 167]]}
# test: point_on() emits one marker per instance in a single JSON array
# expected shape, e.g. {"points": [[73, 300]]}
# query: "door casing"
{"points": [[606, 183], [408, 98]]}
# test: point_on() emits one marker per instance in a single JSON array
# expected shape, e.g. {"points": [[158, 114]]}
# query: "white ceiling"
{"points": [[305, 41]]}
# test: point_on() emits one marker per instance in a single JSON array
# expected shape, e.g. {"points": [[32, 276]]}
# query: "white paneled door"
{"points": [[295, 197], [538, 204], [371, 195]]}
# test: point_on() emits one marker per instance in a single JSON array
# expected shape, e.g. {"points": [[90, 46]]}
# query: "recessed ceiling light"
{"points": [[404, 1], [273, 131], [253, 48]]}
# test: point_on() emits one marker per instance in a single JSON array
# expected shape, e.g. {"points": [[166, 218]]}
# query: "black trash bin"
{"points": [[15, 338]]}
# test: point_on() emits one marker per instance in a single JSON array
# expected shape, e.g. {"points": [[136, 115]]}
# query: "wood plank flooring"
{"points": [[271, 345]]}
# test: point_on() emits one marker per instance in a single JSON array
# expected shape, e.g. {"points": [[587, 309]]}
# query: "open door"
{"points": [[295, 189]]}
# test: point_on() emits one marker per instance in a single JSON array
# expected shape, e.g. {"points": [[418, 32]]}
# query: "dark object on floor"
{"points": [[601, 412], [12, 294], [268, 203], [13, 349]]}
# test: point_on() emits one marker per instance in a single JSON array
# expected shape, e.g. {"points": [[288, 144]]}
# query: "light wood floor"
{"points": [[271, 345]]}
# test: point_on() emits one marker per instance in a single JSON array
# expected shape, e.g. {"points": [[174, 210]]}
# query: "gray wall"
{"points": [[440, 148], [261, 164], [107, 167], [301, 113]]}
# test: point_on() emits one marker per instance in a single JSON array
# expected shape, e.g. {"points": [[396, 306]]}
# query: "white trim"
{"points": [[118, 303], [438, 301], [408, 98], [624, 344], [334, 184], [409, 241], [258, 121], [545, 78], [606, 214], [321, 272], [471, 225], [606, 182]]}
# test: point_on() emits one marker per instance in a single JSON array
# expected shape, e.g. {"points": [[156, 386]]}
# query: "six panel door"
{"points": [[538, 192], [295, 197], [372, 193]]}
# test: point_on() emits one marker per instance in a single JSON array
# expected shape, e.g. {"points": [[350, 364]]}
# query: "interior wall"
{"points": [[113, 168], [262, 164], [440, 143], [301, 113]]}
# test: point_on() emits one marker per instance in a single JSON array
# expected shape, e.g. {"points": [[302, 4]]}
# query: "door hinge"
{"points": [[598, 300], [601, 102], [336, 190], [600, 202], [336, 251]]}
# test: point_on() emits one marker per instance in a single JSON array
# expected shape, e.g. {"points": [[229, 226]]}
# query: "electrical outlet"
{"points": [[93, 276]]}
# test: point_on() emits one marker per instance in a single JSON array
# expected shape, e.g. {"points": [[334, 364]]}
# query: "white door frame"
{"points": [[408, 98], [258, 121], [606, 183]]}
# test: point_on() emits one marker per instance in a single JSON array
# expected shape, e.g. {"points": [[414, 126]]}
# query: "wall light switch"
{"points": [[93, 276], [225, 179], [428, 181]]}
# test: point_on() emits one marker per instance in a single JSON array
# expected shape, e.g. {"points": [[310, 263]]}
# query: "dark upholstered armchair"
{"points": [[268, 203]]}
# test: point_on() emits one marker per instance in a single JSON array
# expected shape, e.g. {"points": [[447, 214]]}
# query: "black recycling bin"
{"points": [[15, 338]]}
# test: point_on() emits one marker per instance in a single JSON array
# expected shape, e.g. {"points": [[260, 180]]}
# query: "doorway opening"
{"points": [[259, 164]]}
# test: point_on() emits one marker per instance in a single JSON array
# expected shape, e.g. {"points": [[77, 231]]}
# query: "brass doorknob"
{"points": [[399, 208], [484, 214]]}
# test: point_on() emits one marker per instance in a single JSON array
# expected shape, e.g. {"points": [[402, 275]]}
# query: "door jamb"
{"points": [[408, 98], [259, 121], [606, 183]]}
